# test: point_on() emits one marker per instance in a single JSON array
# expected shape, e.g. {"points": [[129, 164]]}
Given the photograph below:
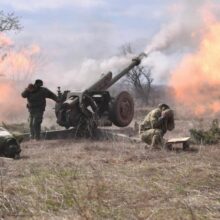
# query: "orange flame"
{"points": [[17, 65], [15, 68], [11, 103], [196, 80]]}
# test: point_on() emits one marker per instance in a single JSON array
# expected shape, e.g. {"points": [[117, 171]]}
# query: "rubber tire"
{"points": [[116, 112]]}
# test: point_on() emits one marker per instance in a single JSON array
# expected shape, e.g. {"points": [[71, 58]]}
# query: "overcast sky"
{"points": [[71, 31], [97, 26]]}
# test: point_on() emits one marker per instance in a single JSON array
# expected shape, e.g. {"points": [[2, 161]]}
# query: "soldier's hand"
{"points": [[161, 119], [30, 88], [168, 113]]}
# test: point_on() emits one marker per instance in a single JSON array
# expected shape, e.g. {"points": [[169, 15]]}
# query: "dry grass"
{"points": [[103, 180]]}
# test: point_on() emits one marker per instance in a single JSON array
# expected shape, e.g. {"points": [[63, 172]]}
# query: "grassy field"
{"points": [[83, 179]]}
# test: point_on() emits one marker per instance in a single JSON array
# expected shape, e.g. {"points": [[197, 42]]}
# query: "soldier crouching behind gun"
{"points": [[36, 97], [155, 125]]}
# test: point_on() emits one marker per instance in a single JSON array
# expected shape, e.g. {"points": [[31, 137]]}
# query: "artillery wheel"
{"points": [[122, 110]]}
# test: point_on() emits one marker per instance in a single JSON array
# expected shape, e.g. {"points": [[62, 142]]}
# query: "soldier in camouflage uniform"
{"points": [[36, 96], [9, 145], [156, 124]]}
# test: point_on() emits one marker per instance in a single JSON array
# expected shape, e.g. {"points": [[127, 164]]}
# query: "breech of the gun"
{"points": [[71, 102]]}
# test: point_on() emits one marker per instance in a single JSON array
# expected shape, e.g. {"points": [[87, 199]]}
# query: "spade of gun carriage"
{"points": [[93, 107]]}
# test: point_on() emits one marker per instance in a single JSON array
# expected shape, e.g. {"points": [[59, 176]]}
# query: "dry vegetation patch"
{"points": [[109, 180]]}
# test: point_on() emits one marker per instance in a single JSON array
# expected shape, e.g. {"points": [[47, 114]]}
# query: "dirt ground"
{"points": [[85, 179]]}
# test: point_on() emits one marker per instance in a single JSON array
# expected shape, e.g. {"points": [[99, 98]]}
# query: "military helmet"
{"points": [[163, 106], [38, 82]]}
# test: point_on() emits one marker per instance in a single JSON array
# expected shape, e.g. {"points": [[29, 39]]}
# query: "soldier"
{"points": [[155, 125], [9, 145], [36, 96]]}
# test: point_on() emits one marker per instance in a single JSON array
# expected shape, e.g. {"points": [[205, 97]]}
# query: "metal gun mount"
{"points": [[94, 107]]}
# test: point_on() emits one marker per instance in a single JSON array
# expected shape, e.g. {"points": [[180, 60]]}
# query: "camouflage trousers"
{"points": [[35, 120], [153, 137]]}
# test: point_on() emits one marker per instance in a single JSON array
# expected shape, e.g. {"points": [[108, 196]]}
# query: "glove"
{"points": [[30, 88], [168, 113], [169, 116]]}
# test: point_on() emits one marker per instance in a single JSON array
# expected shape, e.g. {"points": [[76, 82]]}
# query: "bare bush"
{"points": [[9, 21], [140, 77]]}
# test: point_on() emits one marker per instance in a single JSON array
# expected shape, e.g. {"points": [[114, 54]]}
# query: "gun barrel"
{"points": [[135, 62], [102, 83], [107, 81]]}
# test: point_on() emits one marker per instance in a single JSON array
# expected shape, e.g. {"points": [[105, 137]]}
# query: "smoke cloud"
{"points": [[91, 70], [185, 53], [196, 79], [184, 30], [181, 35]]}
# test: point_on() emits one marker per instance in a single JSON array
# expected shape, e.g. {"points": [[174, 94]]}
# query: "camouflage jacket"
{"points": [[37, 98], [153, 120]]}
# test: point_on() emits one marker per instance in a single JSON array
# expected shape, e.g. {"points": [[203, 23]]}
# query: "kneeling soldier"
{"points": [[155, 125]]}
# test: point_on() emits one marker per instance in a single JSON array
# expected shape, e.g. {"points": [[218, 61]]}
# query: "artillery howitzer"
{"points": [[94, 107]]}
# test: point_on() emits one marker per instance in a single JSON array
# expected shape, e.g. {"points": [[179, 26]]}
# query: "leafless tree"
{"points": [[9, 21], [139, 77]]}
